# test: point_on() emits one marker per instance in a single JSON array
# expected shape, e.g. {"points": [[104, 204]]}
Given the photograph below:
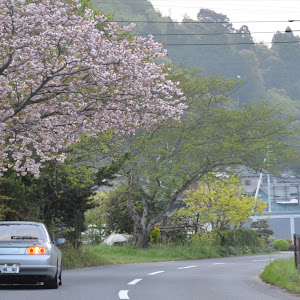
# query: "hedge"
{"points": [[281, 245], [239, 237]]}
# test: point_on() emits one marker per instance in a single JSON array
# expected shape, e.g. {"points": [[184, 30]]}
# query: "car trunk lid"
{"points": [[16, 246]]}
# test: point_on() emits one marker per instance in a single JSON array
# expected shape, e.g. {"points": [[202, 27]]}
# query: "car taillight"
{"points": [[36, 250]]}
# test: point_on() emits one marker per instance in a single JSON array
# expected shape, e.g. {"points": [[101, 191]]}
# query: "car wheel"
{"points": [[59, 277], [54, 282]]}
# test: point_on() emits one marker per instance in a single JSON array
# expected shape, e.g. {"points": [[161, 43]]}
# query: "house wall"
{"points": [[250, 183], [278, 207], [284, 190], [283, 225]]}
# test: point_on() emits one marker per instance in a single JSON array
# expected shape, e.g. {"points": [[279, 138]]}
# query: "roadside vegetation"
{"points": [[223, 243], [201, 245], [283, 273], [94, 255]]}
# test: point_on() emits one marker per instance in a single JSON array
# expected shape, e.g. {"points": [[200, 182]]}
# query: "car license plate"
{"points": [[10, 269]]}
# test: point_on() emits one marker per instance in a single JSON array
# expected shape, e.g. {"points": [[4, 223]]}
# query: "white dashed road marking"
{"points": [[123, 294], [135, 281], [155, 273], [189, 267]]}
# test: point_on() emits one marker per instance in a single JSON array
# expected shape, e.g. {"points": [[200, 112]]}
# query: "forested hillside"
{"points": [[215, 47]]}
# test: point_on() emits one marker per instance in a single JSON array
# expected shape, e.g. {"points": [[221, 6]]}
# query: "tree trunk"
{"points": [[140, 235], [141, 240], [141, 230]]}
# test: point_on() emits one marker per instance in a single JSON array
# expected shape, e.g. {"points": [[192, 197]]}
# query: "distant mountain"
{"points": [[215, 47], [218, 48]]}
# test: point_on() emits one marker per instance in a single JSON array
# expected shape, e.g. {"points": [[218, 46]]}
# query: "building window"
{"points": [[247, 182], [265, 180]]}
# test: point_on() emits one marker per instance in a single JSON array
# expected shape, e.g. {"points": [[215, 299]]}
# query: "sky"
{"points": [[263, 17]]}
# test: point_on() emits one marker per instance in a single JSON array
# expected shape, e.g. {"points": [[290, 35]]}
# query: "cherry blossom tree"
{"points": [[63, 74]]}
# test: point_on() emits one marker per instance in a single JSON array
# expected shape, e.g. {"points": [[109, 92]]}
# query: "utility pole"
{"points": [[258, 186], [269, 192], [238, 91]]}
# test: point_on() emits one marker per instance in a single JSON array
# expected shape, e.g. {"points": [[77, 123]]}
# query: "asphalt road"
{"points": [[235, 278]]}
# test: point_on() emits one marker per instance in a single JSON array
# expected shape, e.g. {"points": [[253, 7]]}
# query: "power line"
{"points": [[219, 1], [198, 7], [205, 34], [200, 22], [228, 44]]}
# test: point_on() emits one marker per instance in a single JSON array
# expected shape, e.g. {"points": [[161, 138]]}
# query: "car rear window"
{"points": [[21, 232]]}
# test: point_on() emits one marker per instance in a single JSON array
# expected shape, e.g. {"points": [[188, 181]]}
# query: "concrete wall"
{"points": [[283, 225]]}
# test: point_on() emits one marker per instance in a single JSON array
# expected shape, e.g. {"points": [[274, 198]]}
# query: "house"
{"points": [[284, 190], [282, 193]]}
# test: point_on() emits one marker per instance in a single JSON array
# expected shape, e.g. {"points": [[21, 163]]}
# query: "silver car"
{"points": [[28, 255]]}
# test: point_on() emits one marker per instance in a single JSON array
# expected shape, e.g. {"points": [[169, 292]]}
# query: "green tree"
{"points": [[5, 200], [62, 193], [65, 189], [286, 47], [111, 210], [211, 136], [262, 228], [252, 88], [244, 37], [116, 214], [221, 202], [15, 200]]}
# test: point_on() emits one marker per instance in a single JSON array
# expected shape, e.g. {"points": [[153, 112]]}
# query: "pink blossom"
{"points": [[61, 76]]}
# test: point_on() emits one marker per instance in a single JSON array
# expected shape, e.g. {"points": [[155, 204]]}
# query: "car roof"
{"points": [[21, 223]]}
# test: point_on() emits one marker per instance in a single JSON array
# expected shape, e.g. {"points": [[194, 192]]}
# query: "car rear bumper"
{"points": [[34, 270], [30, 265]]}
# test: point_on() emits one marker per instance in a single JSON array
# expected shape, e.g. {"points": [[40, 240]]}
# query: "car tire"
{"points": [[53, 283], [59, 277]]}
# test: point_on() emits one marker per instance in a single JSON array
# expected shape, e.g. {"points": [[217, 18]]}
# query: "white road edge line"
{"points": [[220, 263], [155, 273], [135, 281], [123, 294], [263, 259], [188, 267]]}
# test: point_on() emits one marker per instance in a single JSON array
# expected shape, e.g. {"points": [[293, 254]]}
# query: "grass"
{"points": [[283, 273], [90, 255], [128, 254]]}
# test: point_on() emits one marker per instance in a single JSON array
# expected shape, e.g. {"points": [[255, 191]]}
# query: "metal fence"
{"points": [[297, 250]]}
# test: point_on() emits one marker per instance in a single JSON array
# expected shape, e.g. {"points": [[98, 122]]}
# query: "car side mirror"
{"points": [[60, 241]]}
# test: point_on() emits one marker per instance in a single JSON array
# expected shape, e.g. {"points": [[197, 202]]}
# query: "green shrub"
{"points": [[206, 239], [154, 235], [92, 235], [239, 237], [174, 236], [261, 242], [281, 245], [80, 257], [291, 245]]}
